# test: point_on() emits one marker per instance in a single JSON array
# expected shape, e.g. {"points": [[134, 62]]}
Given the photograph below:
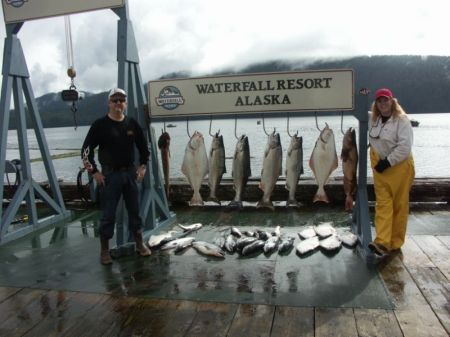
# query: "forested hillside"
{"points": [[422, 85]]}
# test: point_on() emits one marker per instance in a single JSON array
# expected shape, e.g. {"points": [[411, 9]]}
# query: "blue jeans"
{"points": [[119, 183]]}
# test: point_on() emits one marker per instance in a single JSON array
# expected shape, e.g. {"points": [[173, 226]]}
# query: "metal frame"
{"points": [[154, 208], [16, 81]]}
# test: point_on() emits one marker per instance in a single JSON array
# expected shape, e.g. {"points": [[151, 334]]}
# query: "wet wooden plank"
{"points": [[436, 251], [212, 319], [377, 322], [159, 317], [412, 256], [6, 292], [445, 239], [420, 322], [103, 319], [293, 322], [401, 286], [436, 289], [23, 311], [335, 322], [67, 309], [252, 320]]}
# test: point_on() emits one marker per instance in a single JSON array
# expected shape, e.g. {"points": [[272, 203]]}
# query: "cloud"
{"points": [[202, 37]]}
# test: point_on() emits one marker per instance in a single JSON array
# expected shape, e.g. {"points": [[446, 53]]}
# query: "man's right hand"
{"points": [[99, 178]]}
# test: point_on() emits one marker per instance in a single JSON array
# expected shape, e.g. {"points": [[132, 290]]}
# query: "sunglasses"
{"points": [[117, 100], [371, 135]]}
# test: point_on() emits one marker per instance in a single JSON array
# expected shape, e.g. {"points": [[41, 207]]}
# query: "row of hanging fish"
{"points": [[250, 242], [197, 165]]}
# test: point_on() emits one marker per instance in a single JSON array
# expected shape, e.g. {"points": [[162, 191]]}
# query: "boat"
{"points": [[170, 125], [414, 122]]}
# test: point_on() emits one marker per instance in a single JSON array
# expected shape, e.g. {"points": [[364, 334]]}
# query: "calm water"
{"points": [[431, 143]]}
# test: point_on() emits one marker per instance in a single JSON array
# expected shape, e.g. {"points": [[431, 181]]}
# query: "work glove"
{"points": [[382, 165]]}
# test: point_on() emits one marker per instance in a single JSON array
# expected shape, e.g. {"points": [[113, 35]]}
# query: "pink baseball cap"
{"points": [[383, 92]]}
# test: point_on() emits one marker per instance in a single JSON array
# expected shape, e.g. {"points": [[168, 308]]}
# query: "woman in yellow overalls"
{"points": [[391, 139]]}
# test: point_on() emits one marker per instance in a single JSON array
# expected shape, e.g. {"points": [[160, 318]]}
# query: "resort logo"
{"points": [[16, 3], [169, 98]]}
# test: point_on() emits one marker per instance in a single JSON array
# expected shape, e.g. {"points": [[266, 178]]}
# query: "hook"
{"points": [[342, 122], [235, 127], [289, 134], [164, 127], [317, 123], [187, 127], [264, 126], [210, 124]]}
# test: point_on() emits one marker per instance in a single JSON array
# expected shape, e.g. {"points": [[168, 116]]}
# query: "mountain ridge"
{"points": [[421, 84]]}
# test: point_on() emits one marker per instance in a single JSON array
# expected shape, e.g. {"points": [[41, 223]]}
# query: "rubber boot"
{"points": [[105, 257], [140, 246]]}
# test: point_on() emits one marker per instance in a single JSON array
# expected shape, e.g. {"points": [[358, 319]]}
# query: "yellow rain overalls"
{"points": [[392, 201], [392, 141]]}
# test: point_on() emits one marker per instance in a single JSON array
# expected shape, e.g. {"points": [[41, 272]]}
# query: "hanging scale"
{"points": [[70, 95]]}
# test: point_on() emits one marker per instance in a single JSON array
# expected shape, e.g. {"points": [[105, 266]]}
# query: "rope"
{"points": [[69, 45]]}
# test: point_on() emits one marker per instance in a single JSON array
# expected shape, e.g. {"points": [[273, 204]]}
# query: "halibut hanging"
{"points": [[323, 162], [195, 165]]}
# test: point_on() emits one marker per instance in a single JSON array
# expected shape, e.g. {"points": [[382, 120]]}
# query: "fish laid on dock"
{"points": [[325, 229], [349, 239], [157, 240], [323, 162], [294, 168], [190, 228], [230, 243], [271, 244], [216, 166], [307, 233], [349, 156], [271, 170], [286, 244], [178, 243], [307, 245], [164, 147], [253, 247], [207, 248], [195, 165], [241, 170], [331, 243]]}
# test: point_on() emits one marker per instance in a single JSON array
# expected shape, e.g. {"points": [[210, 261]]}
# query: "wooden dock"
{"points": [[423, 190], [417, 279]]}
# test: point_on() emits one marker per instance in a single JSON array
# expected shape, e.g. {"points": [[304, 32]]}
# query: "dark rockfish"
{"points": [[349, 156], [294, 167], [241, 169], [216, 166], [271, 170], [164, 147]]}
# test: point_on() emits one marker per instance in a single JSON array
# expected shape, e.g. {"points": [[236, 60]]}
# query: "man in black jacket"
{"points": [[116, 136]]}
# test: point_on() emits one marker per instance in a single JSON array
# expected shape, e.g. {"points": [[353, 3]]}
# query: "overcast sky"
{"points": [[204, 36]]}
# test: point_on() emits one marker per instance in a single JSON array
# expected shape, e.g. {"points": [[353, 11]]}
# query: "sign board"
{"points": [[23, 10], [328, 90]]}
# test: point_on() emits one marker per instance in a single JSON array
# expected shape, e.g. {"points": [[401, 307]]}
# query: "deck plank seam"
{"points": [[430, 305]]}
